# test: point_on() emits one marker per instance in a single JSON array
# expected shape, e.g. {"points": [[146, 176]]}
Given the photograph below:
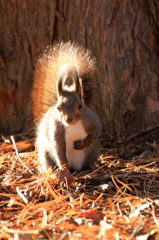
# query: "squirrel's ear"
{"points": [[60, 83], [59, 87], [77, 85], [80, 89]]}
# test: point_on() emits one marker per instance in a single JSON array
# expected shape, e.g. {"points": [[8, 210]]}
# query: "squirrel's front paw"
{"points": [[81, 144], [64, 177], [78, 145]]}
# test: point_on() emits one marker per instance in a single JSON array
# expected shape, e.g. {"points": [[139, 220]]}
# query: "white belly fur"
{"points": [[72, 134]]}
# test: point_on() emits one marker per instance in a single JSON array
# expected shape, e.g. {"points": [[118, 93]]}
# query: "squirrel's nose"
{"points": [[69, 120]]}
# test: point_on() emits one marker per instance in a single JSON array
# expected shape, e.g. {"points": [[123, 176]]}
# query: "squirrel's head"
{"points": [[69, 92]]}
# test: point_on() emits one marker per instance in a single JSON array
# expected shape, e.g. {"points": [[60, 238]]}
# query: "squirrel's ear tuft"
{"points": [[80, 91]]}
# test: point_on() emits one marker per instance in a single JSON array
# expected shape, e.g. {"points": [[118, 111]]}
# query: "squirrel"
{"points": [[67, 131]]}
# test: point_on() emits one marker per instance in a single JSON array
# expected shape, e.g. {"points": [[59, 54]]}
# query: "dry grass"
{"points": [[118, 200]]}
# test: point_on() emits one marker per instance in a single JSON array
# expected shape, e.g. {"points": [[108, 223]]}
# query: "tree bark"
{"points": [[25, 28], [122, 35]]}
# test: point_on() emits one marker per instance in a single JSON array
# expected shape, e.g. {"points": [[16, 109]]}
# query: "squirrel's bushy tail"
{"points": [[47, 69]]}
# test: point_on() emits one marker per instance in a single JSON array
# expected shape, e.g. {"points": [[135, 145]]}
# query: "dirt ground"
{"points": [[119, 199]]}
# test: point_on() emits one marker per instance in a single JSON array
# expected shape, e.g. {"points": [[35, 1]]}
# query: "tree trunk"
{"points": [[123, 35], [26, 27]]}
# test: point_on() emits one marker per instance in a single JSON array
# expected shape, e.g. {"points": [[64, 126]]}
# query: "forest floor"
{"points": [[118, 200]]}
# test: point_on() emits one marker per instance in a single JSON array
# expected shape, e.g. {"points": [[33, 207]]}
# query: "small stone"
{"points": [[147, 154], [156, 202], [105, 187], [79, 221]]}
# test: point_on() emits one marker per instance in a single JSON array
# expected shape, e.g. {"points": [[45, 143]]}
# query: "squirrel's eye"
{"points": [[58, 108], [80, 106]]}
